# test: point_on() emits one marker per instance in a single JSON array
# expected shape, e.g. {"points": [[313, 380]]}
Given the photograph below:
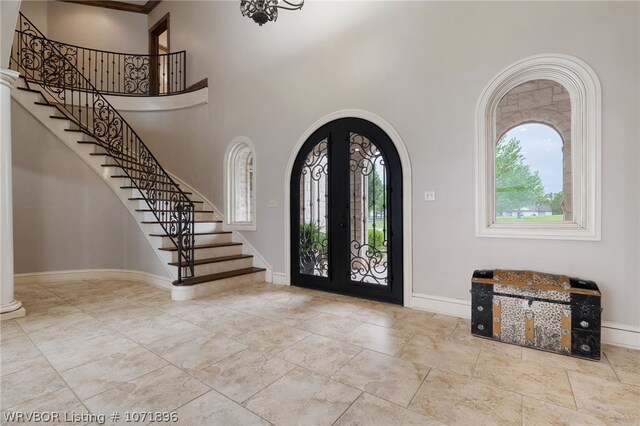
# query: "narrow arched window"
{"points": [[240, 185], [538, 151]]}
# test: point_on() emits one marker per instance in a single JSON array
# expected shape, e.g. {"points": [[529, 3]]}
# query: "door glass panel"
{"points": [[314, 187], [368, 211]]}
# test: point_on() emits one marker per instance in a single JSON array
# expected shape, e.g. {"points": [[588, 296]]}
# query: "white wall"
{"points": [[90, 26], [421, 66], [64, 216], [8, 15]]}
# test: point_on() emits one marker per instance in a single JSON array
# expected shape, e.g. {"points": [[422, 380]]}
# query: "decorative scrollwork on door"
{"points": [[368, 211], [314, 187]]}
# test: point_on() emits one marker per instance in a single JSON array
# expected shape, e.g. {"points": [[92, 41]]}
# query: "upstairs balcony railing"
{"points": [[115, 73], [41, 62]]}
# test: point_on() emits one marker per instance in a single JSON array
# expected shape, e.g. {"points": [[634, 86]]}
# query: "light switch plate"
{"points": [[430, 195], [272, 204]]}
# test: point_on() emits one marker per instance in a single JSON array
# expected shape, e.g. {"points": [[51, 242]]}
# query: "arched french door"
{"points": [[346, 212]]}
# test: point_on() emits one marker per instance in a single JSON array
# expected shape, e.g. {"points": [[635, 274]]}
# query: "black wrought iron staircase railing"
{"points": [[115, 73], [40, 61]]}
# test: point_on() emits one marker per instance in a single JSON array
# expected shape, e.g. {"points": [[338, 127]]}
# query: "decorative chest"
{"points": [[550, 312]]}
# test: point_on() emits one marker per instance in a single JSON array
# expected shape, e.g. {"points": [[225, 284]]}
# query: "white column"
{"points": [[9, 307]]}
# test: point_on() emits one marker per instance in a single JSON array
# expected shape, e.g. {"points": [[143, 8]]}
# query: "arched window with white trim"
{"points": [[538, 151], [240, 176]]}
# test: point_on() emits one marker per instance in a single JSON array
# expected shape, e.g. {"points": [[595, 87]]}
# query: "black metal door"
{"points": [[346, 212]]}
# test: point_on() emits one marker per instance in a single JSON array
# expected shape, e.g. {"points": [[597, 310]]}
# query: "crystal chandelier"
{"points": [[263, 11]]}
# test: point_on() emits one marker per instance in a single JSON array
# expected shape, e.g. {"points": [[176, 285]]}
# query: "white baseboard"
{"points": [[442, 305], [94, 274], [613, 333], [279, 278]]}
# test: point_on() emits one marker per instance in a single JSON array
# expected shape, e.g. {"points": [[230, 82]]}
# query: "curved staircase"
{"points": [[185, 229]]}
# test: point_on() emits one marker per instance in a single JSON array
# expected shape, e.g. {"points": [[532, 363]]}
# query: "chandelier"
{"points": [[263, 11]]}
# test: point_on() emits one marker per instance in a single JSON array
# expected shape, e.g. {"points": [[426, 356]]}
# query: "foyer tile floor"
{"points": [[270, 354]]}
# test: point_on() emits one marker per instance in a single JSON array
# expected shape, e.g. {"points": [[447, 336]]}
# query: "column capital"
{"points": [[8, 77]]}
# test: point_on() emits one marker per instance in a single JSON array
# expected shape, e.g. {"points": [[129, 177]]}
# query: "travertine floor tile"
{"points": [[61, 403], [540, 413], [111, 371], [612, 400], [246, 343], [170, 334], [164, 389], [600, 368], [71, 334], [196, 354], [215, 409], [26, 385], [301, 397], [463, 337], [376, 314], [454, 399], [369, 410], [55, 316], [272, 338], [436, 352], [427, 324], [9, 328], [377, 338], [329, 325], [281, 313], [64, 356], [625, 362], [244, 374], [393, 379], [528, 378], [320, 354], [220, 320], [18, 353]]}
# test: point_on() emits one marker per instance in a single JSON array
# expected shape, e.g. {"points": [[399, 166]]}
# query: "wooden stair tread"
{"points": [[219, 276], [160, 199], [196, 233], [59, 117], [164, 210], [46, 104], [205, 246], [155, 222], [152, 180], [27, 89], [217, 259], [164, 190]]}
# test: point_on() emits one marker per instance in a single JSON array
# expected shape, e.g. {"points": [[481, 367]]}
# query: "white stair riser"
{"points": [[157, 228], [163, 205], [149, 216], [214, 268], [215, 287], [212, 252], [202, 239], [172, 256], [136, 193]]}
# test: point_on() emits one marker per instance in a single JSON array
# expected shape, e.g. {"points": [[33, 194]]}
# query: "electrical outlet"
{"points": [[430, 195], [272, 204]]}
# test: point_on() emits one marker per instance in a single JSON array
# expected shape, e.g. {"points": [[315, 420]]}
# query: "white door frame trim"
{"points": [[393, 134]]}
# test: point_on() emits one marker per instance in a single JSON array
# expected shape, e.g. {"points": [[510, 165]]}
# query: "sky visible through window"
{"points": [[542, 151]]}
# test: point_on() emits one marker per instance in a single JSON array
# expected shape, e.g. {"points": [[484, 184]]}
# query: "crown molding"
{"points": [[118, 5]]}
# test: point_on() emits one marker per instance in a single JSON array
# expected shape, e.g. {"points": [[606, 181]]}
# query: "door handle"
{"points": [[342, 225]]}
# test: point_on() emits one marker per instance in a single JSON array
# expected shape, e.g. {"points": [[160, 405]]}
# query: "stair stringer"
{"points": [[42, 113], [58, 127]]}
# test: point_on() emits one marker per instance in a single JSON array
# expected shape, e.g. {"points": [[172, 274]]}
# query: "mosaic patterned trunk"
{"points": [[543, 311]]}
